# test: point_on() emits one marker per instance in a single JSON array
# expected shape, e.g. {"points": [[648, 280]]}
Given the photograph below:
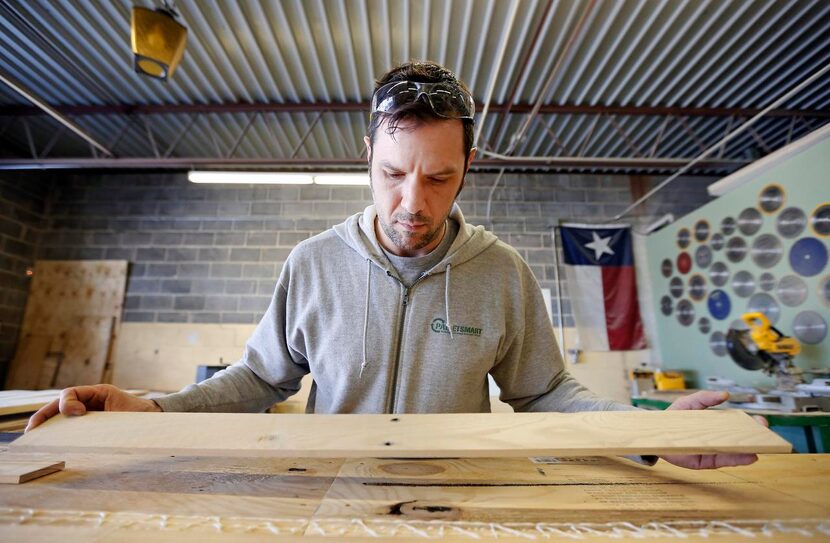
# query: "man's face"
{"points": [[416, 174]]}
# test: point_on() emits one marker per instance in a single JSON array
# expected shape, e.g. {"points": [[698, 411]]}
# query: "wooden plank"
{"points": [[18, 402], [412, 436], [16, 472]]}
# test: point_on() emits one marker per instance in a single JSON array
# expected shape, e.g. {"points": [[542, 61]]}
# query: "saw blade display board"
{"points": [[761, 247]]}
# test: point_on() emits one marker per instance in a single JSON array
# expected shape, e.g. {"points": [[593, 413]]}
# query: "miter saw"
{"points": [[763, 347]]}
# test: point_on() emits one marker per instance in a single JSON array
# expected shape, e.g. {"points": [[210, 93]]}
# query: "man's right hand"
{"points": [[79, 400]]}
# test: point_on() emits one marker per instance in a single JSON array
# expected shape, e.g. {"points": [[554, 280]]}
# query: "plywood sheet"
{"points": [[469, 435], [63, 295]]}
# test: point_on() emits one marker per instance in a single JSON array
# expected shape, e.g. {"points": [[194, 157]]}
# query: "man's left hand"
{"points": [[701, 400]]}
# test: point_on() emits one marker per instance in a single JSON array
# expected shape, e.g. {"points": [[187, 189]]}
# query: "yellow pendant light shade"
{"points": [[158, 42]]}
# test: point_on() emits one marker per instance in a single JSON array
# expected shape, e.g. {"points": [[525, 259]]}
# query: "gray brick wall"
{"points": [[208, 253], [211, 254], [22, 216]]}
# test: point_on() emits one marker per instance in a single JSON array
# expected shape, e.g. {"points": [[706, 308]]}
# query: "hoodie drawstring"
{"points": [[447, 299], [366, 315]]}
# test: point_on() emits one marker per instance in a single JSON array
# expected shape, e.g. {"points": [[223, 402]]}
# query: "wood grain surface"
{"points": [[138, 497]]}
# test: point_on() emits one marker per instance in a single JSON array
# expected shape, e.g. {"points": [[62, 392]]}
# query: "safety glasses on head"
{"points": [[446, 101]]}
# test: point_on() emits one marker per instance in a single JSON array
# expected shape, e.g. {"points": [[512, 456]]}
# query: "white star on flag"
{"points": [[599, 246]]}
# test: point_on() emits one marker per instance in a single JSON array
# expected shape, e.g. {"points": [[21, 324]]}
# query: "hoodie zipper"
{"points": [[390, 407]]}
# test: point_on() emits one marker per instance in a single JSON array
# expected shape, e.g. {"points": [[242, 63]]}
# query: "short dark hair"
{"points": [[420, 111]]}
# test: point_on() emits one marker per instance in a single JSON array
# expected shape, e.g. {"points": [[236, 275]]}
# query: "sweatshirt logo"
{"points": [[439, 326]]}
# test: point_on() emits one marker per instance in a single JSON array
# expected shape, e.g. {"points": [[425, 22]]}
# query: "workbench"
{"points": [[808, 432], [131, 497]]}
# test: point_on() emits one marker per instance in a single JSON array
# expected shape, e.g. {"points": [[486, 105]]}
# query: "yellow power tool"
{"points": [[761, 346]]}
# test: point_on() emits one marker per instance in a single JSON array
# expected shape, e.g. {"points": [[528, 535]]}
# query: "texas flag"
{"points": [[599, 268]]}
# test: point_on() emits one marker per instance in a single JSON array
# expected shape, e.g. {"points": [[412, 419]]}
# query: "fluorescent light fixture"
{"points": [[342, 179], [246, 178]]}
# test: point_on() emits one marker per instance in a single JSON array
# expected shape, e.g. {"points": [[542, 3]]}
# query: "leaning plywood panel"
{"points": [[412, 436], [72, 314], [27, 365]]}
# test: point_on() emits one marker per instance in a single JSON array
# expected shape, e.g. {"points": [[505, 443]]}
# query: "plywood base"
{"points": [[195, 499], [418, 436]]}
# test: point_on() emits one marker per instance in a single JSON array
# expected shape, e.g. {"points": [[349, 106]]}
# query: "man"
{"points": [[404, 307]]}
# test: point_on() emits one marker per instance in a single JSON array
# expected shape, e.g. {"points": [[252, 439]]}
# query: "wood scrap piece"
{"points": [[605, 433], [16, 472], [13, 423]]}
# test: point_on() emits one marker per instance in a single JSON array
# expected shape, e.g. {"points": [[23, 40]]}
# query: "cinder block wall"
{"points": [[212, 254], [22, 217]]}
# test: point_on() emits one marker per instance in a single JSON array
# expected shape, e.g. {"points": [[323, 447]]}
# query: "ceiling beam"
{"points": [[363, 107], [599, 163]]}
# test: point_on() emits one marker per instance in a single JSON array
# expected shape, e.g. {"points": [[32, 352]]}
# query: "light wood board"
{"points": [[24, 402], [412, 436], [13, 402], [19, 471]]}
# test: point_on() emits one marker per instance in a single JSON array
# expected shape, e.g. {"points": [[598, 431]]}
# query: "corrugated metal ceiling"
{"points": [[738, 54]]}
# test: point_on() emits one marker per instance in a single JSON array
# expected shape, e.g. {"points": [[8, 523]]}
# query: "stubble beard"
{"points": [[413, 241]]}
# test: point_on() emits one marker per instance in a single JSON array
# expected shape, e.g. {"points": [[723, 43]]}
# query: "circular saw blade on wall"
{"points": [[771, 198], [766, 304], [810, 327], [750, 221], [719, 274], [719, 305], [820, 220], [808, 257], [766, 250], [791, 222], [743, 284]]}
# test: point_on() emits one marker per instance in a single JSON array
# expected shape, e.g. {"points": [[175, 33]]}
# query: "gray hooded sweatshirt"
{"points": [[373, 345]]}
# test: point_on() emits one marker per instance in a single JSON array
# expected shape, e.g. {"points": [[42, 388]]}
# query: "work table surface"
{"points": [[118, 497]]}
